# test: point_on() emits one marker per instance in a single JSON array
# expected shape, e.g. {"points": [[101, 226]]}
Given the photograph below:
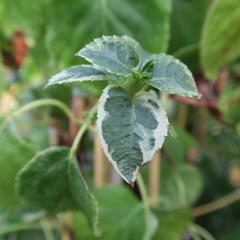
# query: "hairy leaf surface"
{"points": [[170, 75], [53, 182], [221, 36], [130, 132], [117, 55]]}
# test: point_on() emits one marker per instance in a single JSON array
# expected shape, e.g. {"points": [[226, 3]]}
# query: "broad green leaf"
{"points": [[177, 148], [14, 153], [52, 181], [170, 75], [172, 224], [117, 55], [78, 74], [181, 186], [220, 42], [121, 216], [57, 38], [131, 131], [186, 23]]}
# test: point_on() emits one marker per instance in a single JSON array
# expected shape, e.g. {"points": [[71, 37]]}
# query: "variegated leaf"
{"points": [[78, 73], [117, 55], [131, 131], [170, 75]]}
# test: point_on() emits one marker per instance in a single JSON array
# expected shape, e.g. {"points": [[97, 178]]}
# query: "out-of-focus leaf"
{"points": [[177, 148], [52, 181], [118, 220], [172, 224], [147, 21], [186, 22], [180, 186], [14, 153], [220, 42]]}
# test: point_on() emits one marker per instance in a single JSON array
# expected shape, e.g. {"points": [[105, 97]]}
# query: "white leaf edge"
{"points": [[102, 114], [52, 80]]}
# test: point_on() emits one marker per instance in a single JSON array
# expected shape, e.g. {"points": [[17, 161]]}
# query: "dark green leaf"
{"points": [[130, 132], [220, 36], [53, 182], [170, 75]]}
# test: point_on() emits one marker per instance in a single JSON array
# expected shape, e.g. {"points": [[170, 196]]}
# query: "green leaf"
{"points": [[52, 181], [220, 36], [131, 131], [78, 74], [117, 55], [170, 75], [172, 224], [14, 153], [181, 186], [177, 148], [117, 220]]}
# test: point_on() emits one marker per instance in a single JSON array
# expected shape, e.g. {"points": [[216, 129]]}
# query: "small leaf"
{"points": [[220, 43], [170, 75], [117, 55], [14, 154], [78, 74], [130, 131], [53, 182]]}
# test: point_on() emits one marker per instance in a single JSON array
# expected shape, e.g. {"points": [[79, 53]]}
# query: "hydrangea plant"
{"points": [[131, 121]]}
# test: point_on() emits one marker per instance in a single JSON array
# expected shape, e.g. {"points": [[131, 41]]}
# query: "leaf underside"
{"points": [[53, 182], [130, 132]]}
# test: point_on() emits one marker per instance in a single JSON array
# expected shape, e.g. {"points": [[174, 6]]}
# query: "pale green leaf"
{"points": [[117, 55], [78, 74], [180, 186], [117, 220], [172, 224], [170, 75], [220, 42], [131, 131], [53, 182], [14, 153]]}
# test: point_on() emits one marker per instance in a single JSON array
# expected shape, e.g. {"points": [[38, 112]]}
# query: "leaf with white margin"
{"points": [[170, 75], [116, 55], [131, 131], [78, 73]]}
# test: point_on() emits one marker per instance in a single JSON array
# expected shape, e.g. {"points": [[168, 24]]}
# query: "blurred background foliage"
{"points": [[202, 163]]}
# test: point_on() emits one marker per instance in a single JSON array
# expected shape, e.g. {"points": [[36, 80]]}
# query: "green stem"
{"points": [[41, 103], [47, 230], [217, 204], [22, 226], [146, 202], [82, 130]]}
